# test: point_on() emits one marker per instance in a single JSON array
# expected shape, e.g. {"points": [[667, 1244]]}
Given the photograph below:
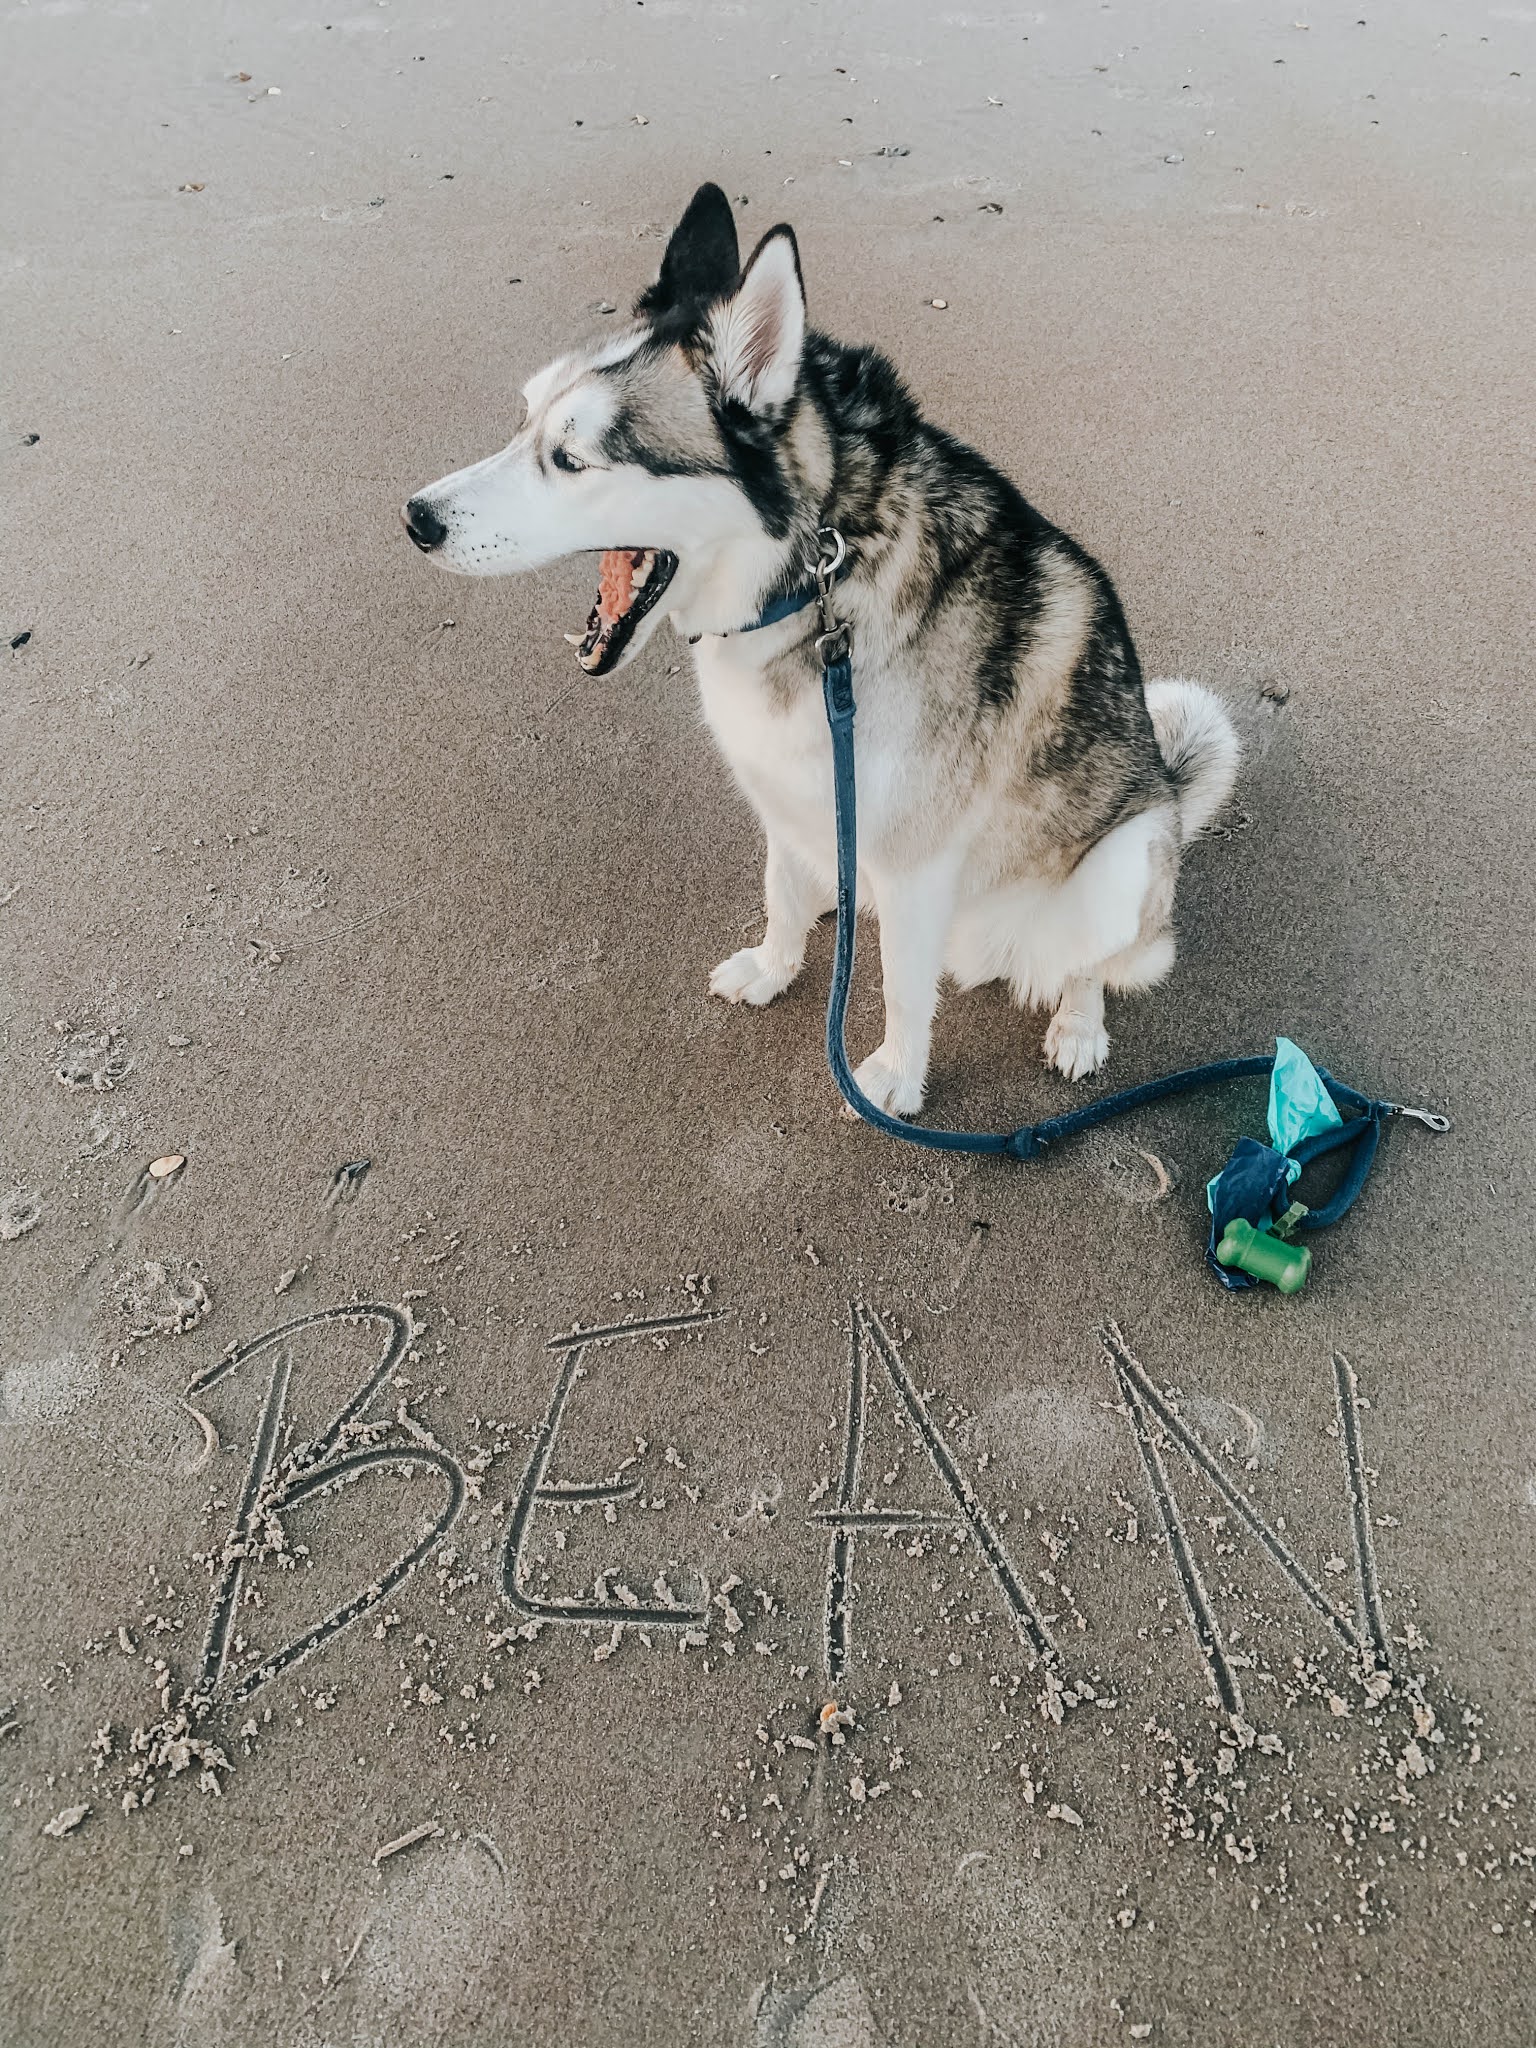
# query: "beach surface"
{"points": [[935, 1614]]}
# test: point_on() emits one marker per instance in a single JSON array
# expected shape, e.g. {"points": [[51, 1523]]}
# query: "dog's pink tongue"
{"points": [[622, 573], [616, 582]]}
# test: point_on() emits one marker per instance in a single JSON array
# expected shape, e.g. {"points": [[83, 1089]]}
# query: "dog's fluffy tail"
{"points": [[1198, 743]]}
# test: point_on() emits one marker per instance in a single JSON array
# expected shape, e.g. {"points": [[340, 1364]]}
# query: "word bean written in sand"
{"points": [[355, 1441]]}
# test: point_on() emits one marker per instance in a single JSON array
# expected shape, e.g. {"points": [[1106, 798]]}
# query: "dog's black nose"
{"points": [[423, 525]]}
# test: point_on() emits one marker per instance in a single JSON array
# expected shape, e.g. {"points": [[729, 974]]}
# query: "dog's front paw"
{"points": [[888, 1087], [1075, 1046], [751, 976]]}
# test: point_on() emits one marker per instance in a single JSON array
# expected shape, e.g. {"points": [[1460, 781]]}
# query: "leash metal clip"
{"points": [[1431, 1119], [835, 638]]}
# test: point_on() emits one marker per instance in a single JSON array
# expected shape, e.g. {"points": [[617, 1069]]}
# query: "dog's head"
{"points": [[662, 449]]}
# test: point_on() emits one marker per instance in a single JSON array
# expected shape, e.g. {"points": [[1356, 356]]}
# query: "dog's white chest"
{"points": [[780, 753]]}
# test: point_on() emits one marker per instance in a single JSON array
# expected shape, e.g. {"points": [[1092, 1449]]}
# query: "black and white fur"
{"points": [[1023, 796]]}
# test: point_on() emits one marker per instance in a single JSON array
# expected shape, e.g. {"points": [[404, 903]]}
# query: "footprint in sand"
{"points": [[436, 1942], [1230, 1428], [92, 1059], [1143, 1179], [439, 1933], [201, 2009], [145, 1428], [156, 1302], [48, 1390], [20, 1212], [747, 1162], [834, 2015], [1046, 1426], [1020, 1953]]}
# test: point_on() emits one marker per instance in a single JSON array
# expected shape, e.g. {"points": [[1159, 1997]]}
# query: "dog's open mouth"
{"points": [[631, 581]]}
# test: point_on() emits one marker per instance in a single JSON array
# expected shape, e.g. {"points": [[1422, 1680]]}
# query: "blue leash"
{"points": [[1029, 1141]]}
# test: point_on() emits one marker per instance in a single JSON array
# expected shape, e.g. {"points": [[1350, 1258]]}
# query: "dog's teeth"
{"points": [[641, 575], [573, 639]]}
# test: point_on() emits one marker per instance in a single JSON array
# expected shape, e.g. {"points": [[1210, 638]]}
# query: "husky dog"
{"points": [[1023, 796]]}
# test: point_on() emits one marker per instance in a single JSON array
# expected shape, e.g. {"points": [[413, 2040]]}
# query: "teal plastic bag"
{"points": [[1299, 1104]]}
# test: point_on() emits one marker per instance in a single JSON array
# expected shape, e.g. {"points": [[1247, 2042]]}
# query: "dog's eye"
{"points": [[563, 459]]}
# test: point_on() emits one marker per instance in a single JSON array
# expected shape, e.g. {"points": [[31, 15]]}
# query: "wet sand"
{"points": [[310, 857]]}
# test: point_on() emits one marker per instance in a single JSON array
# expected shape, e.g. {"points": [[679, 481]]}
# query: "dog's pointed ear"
{"points": [[757, 337], [702, 259]]}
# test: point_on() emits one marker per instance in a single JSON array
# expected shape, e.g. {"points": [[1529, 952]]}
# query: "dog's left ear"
{"points": [[757, 337], [701, 259]]}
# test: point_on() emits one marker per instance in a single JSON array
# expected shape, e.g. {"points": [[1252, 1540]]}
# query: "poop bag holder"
{"points": [[1305, 1121]]}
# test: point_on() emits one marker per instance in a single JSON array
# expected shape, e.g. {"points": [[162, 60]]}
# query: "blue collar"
{"points": [[800, 600]]}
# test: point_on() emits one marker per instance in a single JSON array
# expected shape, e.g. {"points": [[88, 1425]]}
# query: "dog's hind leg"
{"points": [[1107, 927], [1076, 1042], [794, 899]]}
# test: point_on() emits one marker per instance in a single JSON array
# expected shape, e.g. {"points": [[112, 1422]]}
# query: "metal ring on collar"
{"points": [[834, 552]]}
